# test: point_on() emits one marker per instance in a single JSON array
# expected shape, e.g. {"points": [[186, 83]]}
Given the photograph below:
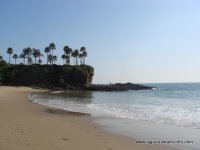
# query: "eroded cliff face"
{"points": [[46, 76]]}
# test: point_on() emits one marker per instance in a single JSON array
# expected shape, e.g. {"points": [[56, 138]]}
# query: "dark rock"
{"points": [[119, 87]]}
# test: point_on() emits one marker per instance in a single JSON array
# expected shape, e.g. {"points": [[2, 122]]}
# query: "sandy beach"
{"points": [[28, 126]]}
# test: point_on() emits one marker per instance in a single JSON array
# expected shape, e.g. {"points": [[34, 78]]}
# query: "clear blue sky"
{"points": [[127, 40]]}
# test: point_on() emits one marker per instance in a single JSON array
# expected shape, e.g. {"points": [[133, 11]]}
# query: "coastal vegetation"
{"points": [[46, 75], [30, 53], [31, 72]]}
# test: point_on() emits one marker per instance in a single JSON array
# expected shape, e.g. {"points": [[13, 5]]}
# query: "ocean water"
{"points": [[169, 110], [173, 104]]}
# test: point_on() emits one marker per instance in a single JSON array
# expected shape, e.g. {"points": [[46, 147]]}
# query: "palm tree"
{"points": [[76, 53], [50, 59], [68, 60], [40, 54], [54, 59], [52, 47], [1, 58], [84, 56], [30, 60], [84, 53], [39, 61], [23, 55], [63, 57], [28, 51], [68, 52], [36, 53], [47, 50], [15, 57], [81, 58], [9, 51], [82, 49], [72, 54], [29, 55]]}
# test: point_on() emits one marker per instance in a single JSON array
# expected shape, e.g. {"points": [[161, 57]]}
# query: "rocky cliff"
{"points": [[46, 76]]}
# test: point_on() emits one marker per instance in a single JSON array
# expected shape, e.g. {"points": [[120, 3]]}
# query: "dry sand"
{"points": [[28, 126]]}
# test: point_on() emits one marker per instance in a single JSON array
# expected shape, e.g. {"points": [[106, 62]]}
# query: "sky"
{"points": [[138, 41]]}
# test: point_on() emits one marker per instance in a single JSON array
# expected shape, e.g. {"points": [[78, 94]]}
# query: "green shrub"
{"points": [[46, 75]]}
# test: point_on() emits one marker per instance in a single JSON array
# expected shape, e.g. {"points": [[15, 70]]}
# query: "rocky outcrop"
{"points": [[119, 87]]}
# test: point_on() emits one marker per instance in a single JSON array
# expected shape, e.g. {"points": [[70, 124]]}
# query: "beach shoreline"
{"points": [[25, 125]]}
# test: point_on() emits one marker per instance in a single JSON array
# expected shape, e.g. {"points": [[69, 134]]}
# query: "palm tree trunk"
{"points": [[29, 55], [47, 58], [15, 61], [35, 60], [9, 58], [84, 60], [80, 61], [76, 61]]}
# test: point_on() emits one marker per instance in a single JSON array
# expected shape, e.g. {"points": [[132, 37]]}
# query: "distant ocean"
{"points": [[172, 104]]}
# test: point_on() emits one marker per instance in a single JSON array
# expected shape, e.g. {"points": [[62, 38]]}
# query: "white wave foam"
{"points": [[157, 114], [177, 113], [57, 92], [66, 105]]}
